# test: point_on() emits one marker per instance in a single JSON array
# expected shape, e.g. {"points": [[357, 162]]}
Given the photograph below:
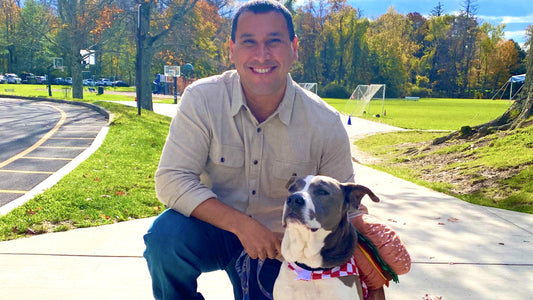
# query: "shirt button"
{"points": [[255, 162], [222, 159], [258, 130], [253, 192]]}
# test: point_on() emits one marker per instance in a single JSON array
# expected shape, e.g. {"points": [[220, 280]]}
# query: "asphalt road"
{"points": [[37, 138]]}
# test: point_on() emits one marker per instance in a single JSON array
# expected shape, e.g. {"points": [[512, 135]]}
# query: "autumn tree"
{"points": [[518, 115], [388, 39], [9, 16], [157, 19], [80, 20]]}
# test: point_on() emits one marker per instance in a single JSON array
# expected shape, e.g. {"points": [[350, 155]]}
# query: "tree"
{"points": [[151, 31], [518, 115], [438, 10], [9, 16], [388, 39]]}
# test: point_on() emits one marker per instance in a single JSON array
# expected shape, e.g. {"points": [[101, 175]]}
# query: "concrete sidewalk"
{"points": [[459, 250]]}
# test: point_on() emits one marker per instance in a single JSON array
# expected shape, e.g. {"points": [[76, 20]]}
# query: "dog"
{"points": [[319, 240]]}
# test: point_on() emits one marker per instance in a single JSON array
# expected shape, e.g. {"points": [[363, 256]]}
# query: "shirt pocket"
{"points": [[226, 156]]}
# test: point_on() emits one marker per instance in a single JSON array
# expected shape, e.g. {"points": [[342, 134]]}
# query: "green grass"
{"points": [[115, 184], [63, 92], [432, 114], [499, 166]]}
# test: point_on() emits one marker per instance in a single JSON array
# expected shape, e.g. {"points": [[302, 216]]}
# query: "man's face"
{"points": [[263, 53]]}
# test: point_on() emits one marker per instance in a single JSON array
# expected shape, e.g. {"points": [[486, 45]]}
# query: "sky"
{"points": [[516, 14]]}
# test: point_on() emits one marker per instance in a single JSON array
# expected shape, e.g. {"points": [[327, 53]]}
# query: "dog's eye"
{"points": [[322, 192]]}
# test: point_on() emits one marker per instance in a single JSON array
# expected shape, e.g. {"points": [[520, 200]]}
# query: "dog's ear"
{"points": [[291, 181], [354, 193]]}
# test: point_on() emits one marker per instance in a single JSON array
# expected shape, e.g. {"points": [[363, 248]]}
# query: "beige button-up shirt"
{"points": [[216, 148]]}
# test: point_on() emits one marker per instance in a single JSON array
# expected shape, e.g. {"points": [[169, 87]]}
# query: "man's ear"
{"points": [[295, 47], [231, 47]]}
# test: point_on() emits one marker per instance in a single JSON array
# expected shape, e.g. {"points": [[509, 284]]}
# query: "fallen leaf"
{"points": [[501, 244], [120, 193], [96, 179], [440, 223], [15, 229], [105, 217], [453, 219], [391, 220]]}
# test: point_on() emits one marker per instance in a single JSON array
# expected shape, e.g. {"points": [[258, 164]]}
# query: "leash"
{"points": [[243, 266]]}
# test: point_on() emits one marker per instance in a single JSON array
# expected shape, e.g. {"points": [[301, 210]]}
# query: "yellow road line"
{"points": [[25, 172], [58, 138], [13, 192], [47, 136]]}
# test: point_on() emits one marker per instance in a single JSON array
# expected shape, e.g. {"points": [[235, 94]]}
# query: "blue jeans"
{"points": [[179, 249]]}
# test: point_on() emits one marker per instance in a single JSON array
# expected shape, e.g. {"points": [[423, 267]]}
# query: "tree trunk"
{"points": [[75, 69], [143, 59], [515, 117]]}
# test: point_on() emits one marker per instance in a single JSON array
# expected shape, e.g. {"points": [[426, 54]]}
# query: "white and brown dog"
{"points": [[319, 240]]}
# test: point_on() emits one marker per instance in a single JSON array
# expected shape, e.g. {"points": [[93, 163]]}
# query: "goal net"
{"points": [[310, 86], [359, 102]]}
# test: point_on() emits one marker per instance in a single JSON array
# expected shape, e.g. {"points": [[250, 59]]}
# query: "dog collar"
{"points": [[347, 269]]}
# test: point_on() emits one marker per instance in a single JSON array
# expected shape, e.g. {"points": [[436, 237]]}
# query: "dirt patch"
{"points": [[432, 165]]}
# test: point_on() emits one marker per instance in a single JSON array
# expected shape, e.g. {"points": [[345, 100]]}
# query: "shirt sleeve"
{"points": [[177, 180], [336, 159]]}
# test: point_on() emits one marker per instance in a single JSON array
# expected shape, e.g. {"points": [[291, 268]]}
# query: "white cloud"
{"points": [[508, 19]]}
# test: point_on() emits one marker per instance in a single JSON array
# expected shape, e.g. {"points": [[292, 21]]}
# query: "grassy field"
{"points": [[116, 183], [64, 92], [434, 113]]}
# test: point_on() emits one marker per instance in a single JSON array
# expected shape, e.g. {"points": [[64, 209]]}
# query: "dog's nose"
{"points": [[295, 201]]}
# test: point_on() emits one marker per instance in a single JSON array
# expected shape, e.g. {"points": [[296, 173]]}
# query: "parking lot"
{"points": [[37, 138]]}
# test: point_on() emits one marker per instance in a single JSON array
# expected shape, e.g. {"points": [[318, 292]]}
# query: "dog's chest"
{"points": [[288, 286]]}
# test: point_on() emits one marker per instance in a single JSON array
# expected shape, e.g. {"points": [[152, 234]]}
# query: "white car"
{"points": [[12, 78], [104, 82]]}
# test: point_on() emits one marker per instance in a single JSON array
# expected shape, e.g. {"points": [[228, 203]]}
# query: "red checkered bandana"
{"points": [[347, 269]]}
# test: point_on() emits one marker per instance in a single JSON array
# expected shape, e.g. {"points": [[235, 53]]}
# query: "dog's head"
{"points": [[321, 202]]}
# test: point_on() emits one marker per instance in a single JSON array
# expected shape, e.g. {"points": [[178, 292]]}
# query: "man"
{"points": [[235, 141]]}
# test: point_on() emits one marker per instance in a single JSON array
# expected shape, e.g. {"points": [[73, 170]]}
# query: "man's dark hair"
{"points": [[264, 6]]}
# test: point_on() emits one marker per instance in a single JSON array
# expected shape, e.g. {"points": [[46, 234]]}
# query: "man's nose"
{"points": [[262, 52]]}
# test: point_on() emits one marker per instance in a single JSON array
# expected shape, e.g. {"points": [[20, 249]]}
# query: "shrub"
{"points": [[333, 90]]}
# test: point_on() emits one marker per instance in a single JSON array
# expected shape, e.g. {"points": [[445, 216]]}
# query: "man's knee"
{"points": [[167, 231]]}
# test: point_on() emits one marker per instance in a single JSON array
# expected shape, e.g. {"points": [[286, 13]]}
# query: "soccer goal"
{"points": [[359, 102], [310, 86]]}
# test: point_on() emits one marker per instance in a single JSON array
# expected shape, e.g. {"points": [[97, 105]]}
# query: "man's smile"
{"points": [[262, 70]]}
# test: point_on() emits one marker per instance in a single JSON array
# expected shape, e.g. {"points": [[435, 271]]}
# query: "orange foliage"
{"points": [[105, 19]]}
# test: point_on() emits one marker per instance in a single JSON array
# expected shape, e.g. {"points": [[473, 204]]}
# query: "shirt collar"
{"points": [[284, 110]]}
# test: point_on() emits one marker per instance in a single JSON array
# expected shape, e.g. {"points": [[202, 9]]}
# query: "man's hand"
{"points": [[257, 240]]}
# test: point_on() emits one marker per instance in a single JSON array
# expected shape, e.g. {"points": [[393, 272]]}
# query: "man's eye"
{"points": [[248, 42], [274, 42]]}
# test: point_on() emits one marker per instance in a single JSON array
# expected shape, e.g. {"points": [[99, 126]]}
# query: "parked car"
{"points": [[40, 79], [68, 81], [2, 79], [12, 78], [89, 82], [120, 83], [104, 82], [27, 78], [58, 80]]}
